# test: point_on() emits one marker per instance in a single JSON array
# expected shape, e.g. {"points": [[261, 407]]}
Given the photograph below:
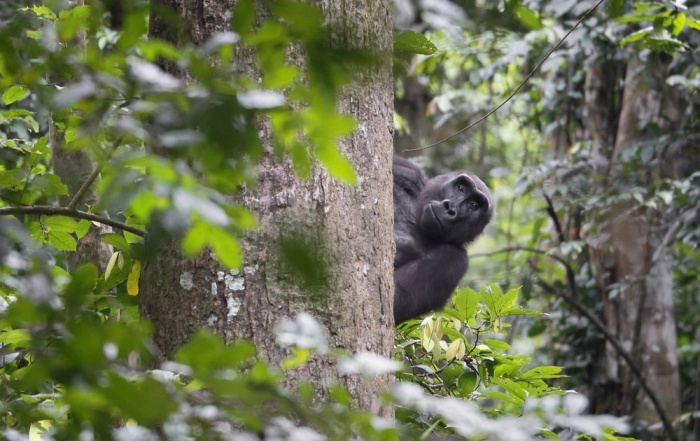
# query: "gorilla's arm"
{"points": [[425, 284], [409, 181]]}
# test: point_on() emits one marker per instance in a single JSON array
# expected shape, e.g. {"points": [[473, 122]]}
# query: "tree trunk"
{"points": [[640, 311], [352, 227]]}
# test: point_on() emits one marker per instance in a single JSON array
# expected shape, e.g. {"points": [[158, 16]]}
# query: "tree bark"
{"points": [[352, 227]]}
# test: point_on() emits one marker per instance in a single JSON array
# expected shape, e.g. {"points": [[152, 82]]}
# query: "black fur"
{"points": [[433, 222]]}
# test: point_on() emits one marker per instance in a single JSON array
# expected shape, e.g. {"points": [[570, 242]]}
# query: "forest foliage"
{"points": [[76, 359]]}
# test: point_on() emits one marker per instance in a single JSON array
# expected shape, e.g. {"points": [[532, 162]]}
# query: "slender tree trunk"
{"points": [[352, 227], [638, 289]]}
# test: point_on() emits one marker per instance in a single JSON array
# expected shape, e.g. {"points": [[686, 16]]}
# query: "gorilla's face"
{"points": [[454, 208]]}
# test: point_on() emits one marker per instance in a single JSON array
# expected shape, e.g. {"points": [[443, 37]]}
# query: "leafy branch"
{"points": [[70, 212]]}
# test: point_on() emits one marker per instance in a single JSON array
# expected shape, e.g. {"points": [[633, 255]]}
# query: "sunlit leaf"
{"points": [[528, 17], [337, 165], [116, 240], [132, 283], [678, 23], [243, 18], [413, 42], [226, 247], [498, 345], [14, 94], [49, 184], [60, 223], [61, 240], [110, 264]]}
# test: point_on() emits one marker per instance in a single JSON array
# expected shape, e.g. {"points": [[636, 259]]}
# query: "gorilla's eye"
{"points": [[472, 205], [460, 188]]}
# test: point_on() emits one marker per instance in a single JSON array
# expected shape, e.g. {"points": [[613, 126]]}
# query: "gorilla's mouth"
{"points": [[437, 218]]}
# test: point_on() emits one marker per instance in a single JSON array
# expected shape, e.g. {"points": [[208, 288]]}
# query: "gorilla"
{"points": [[433, 222]]}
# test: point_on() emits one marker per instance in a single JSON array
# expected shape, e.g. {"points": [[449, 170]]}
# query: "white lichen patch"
{"points": [[234, 283], [250, 270], [186, 281], [365, 269], [214, 288], [233, 306], [211, 321], [234, 271], [220, 276]]}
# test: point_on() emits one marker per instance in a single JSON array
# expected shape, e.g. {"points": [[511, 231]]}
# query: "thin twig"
{"points": [[517, 89], [91, 179], [70, 212], [553, 215]]}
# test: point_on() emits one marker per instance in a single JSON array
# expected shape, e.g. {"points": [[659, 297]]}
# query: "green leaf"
{"points": [[226, 247], [147, 402], [515, 389], [243, 18], [413, 42], [498, 345], [14, 94], [615, 8], [60, 223], [678, 23], [117, 241], [466, 301], [528, 17], [82, 228], [71, 20], [206, 353], [81, 285], [196, 239], [12, 179], [135, 27], [692, 23], [336, 164], [467, 382], [41, 11], [16, 338], [49, 184], [62, 241], [543, 372]]}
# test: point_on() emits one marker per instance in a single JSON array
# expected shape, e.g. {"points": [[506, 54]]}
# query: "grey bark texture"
{"points": [[351, 225]]}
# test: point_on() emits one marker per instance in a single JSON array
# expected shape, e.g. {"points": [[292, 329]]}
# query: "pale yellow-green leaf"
{"points": [[426, 338], [453, 349], [462, 351], [436, 347], [110, 264], [132, 283], [438, 328]]}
